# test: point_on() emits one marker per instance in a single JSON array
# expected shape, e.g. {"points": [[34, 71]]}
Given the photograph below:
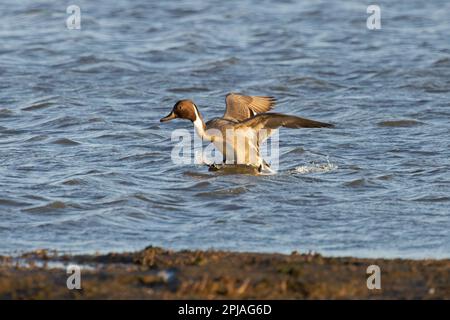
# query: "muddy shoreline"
{"points": [[157, 273]]}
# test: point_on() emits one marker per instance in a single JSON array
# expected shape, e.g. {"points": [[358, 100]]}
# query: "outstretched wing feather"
{"points": [[240, 107]]}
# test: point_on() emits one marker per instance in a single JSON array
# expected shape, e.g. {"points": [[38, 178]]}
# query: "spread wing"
{"points": [[241, 107], [271, 121], [276, 120]]}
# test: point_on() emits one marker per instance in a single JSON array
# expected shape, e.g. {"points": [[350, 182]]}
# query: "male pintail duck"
{"points": [[246, 120]]}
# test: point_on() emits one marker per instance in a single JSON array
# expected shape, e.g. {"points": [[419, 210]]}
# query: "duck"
{"points": [[245, 125]]}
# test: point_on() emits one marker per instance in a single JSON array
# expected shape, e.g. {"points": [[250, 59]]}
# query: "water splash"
{"points": [[316, 168]]}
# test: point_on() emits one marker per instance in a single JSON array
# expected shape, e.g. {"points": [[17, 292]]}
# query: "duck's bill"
{"points": [[171, 116]]}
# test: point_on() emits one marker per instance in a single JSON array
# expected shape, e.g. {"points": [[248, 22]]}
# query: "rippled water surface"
{"points": [[85, 164]]}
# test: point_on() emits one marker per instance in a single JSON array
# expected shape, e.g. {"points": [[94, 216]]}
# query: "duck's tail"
{"points": [[264, 167]]}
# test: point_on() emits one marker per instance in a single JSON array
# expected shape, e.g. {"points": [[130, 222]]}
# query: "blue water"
{"points": [[86, 166]]}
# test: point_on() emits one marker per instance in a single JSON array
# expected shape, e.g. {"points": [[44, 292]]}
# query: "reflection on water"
{"points": [[85, 164]]}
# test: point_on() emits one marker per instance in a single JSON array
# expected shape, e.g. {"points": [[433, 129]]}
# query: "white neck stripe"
{"points": [[198, 124]]}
